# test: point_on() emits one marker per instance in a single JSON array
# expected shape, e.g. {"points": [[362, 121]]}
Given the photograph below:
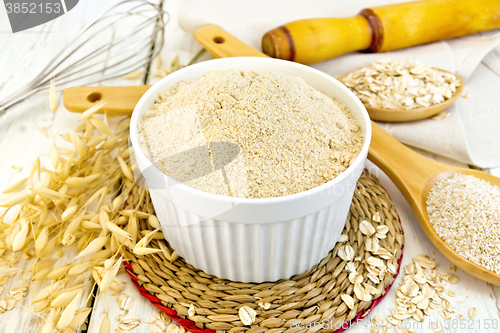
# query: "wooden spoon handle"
{"points": [[409, 170], [119, 100], [222, 44]]}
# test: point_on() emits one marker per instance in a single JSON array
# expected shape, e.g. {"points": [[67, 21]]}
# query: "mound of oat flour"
{"points": [[250, 134]]}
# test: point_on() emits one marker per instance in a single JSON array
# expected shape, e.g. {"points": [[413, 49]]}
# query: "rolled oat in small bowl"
{"points": [[251, 163]]}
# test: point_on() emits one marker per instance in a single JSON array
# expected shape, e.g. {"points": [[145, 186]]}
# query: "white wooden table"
{"points": [[21, 141]]}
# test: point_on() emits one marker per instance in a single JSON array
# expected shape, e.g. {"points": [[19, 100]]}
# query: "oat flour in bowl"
{"points": [[291, 137]]}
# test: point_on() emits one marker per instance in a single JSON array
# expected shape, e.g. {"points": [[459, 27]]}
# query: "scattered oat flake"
{"points": [[158, 61], [174, 64], [348, 300], [134, 75], [163, 72], [472, 312], [128, 322], [343, 238], [465, 95], [247, 315], [153, 328], [346, 253], [265, 306], [191, 310], [44, 132], [366, 228], [124, 302], [17, 293], [16, 168]]}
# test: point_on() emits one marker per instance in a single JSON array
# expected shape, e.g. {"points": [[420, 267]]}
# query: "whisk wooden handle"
{"points": [[119, 100], [382, 28]]}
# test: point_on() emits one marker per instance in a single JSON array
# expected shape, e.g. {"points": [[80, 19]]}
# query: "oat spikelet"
{"points": [[98, 123], [54, 156], [47, 193], [117, 230], [64, 299], [94, 246], [79, 269], [58, 272], [153, 221], [110, 276], [142, 251], [46, 292], [146, 239], [51, 321], [90, 112], [68, 314], [82, 181], [68, 213], [41, 240], [14, 199], [17, 185], [125, 169], [53, 100], [80, 317], [20, 238], [105, 325], [8, 271]]}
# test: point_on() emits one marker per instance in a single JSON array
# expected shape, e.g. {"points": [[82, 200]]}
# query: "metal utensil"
{"points": [[79, 61]]}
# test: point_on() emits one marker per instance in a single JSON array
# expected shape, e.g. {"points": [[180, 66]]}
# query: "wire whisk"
{"points": [[124, 38]]}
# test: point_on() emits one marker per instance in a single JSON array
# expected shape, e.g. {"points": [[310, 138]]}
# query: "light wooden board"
{"points": [[21, 142]]}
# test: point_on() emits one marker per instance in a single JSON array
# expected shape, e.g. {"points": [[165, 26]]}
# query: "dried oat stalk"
{"points": [[86, 199]]}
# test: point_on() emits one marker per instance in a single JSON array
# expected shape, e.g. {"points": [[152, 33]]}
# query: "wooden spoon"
{"points": [[415, 176], [396, 116]]}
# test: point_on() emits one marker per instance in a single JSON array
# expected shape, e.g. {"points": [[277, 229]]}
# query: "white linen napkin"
{"points": [[471, 132]]}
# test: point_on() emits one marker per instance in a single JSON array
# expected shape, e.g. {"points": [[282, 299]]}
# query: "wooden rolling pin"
{"points": [[379, 29]]}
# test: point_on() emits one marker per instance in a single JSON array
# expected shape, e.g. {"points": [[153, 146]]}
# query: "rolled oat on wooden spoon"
{"points": [[401, 90]]}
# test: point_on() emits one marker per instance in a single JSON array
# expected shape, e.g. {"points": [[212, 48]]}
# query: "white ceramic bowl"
{"points": [[252, 240]]}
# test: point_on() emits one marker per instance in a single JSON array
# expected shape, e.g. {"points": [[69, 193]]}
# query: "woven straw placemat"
{"points": [[344, 287]]}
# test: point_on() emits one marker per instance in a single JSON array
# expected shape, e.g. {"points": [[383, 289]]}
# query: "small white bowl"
{"points": [[252, 240]]}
